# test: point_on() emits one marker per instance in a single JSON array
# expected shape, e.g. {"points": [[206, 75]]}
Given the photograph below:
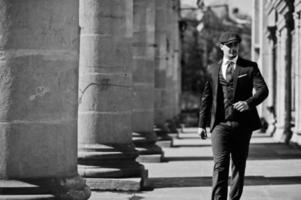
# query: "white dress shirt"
{"points": [[225, 64]]}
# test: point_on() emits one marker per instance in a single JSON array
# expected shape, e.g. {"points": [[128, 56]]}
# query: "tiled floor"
{"points": [[273, 172]]}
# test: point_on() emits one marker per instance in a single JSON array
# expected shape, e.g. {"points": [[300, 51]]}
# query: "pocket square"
{"points": [[243, 75]]}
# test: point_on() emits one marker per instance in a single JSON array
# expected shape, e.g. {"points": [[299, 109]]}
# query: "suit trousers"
{"points": [[229, 140]]}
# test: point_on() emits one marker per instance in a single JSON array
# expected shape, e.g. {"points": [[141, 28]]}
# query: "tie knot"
{"points": [[229, 70], [229, 62]]}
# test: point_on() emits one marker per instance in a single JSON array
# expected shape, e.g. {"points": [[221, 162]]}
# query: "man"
{"points": [[231, 93]]}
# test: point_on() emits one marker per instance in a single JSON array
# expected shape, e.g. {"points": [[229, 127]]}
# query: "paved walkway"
{"points": [[273, 171]]}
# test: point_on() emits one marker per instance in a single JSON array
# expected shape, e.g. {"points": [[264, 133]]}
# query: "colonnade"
{"points": [[78, 79]]}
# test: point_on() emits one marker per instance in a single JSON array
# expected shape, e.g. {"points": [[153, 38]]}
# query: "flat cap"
{"points": [[229, 37]]}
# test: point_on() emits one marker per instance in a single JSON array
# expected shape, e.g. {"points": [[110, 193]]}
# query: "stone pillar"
{"points": [[161, 105], [271, 57], [283, 127], [176, 58], [264, 59], [170, 68], [280, 94], [168, 90], [144, 136], [165, 96], [271, 78], [256, 30], [174, 78], [38, 101], [297, 133], [106, 149], [257, 47]]}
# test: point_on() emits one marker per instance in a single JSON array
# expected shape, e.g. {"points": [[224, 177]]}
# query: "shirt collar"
{"points": [[234, 60]]}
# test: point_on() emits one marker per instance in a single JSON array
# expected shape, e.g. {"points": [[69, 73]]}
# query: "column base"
{"points": [[297, 137], [271, 129], [117, 184], [146, 146], [282, 135], [108, 167], [143, 138], [71, 188], [162, 133], [279, 134]]}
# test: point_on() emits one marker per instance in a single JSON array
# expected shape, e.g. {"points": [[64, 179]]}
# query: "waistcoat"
{"points": [[227, 98]]}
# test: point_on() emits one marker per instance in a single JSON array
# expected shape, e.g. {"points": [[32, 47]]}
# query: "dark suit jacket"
{"points": [[246, 78]]}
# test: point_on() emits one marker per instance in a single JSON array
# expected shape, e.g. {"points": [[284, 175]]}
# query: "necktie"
{"points": [[229, 71]]}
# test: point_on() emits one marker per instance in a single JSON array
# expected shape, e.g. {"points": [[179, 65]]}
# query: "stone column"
{"points": [[144, 136], [256, 31], [283, 127], [264, 51], [168, 90], [280, 94], [271, 57], [161, 106], [256, 50], [165, 101], [297, 133], [106, 149], [176, 58], [170, 45], [38, 101], [175, 86], [271, 78]]}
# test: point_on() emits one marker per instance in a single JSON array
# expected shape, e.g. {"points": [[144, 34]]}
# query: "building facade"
{"points": [[276, 47]]}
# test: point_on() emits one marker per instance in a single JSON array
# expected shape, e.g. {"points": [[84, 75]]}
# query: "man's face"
{"points": [[230, 50]]}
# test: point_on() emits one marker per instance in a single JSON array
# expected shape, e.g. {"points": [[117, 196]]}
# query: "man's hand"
{"points": [[241, 106], [203, 133]]}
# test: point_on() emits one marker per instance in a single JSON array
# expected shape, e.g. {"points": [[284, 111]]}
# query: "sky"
{"points": [[245, 6]]}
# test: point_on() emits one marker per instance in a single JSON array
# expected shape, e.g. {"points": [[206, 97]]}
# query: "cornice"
{"points": [[282, 6], [286, 21], [269, 7], [284, 9], [271, 33]]}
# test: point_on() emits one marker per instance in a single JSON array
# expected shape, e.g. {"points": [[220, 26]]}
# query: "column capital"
{"points": [[283, 6], [289, 20], [271, 33], [285, 19], [269, 6]]}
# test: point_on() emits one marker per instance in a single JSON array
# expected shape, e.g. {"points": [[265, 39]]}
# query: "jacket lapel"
{"points": [[236, 74], [216, 75]]}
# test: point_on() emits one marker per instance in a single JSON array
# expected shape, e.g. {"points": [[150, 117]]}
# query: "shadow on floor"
{"points": [[169, 182], [135, 197], [261, 151], [187, 158]]}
